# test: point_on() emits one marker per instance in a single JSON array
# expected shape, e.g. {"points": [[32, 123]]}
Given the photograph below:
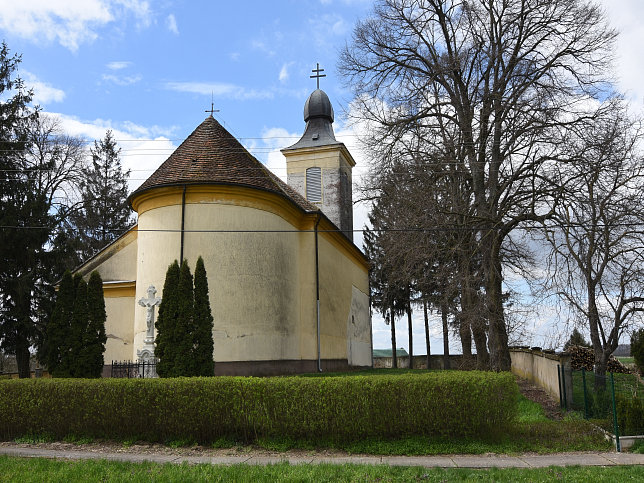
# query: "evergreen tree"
{"points": [[58, 332], [203, 321], [576, 338], [94, 337], [166, 342], [184, 362], [637, 349], [104, 214], [20, 207], [78, 330]]}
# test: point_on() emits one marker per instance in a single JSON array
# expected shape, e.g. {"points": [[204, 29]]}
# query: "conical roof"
{"points": [[211, 155]]}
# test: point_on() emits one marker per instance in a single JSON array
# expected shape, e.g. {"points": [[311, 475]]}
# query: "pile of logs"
{"points": [[584, 358]]}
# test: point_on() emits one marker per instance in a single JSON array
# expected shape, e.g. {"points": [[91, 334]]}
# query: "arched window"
{"points": [[314, 185]]}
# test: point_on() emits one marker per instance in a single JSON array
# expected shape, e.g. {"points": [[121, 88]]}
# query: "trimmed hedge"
{"points": [[204, 409]]}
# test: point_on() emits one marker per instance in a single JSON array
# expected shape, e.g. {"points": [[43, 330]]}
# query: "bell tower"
{"points": [[319, 167]]}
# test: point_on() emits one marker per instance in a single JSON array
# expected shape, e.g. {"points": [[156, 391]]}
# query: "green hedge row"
{"points": [[204, 409]]}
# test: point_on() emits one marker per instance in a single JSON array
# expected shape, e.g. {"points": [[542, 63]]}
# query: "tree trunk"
{"points": [[394, 358], [446, 364], [498, 335], [480, 340], [466, 336], [411, 335], [427, 344], [601, 358], [22, 357]]}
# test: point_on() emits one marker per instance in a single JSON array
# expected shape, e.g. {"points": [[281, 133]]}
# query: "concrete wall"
{"points": [[436, 362], [539, 368]]}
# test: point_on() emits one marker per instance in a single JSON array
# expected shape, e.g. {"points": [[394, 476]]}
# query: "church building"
{"points": [[289, 290]]}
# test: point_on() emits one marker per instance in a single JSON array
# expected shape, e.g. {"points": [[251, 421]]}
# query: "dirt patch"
{"points": [[536, 394]]}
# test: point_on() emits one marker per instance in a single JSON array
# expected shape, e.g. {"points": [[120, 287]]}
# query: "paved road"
{"points": [[453, 461]]}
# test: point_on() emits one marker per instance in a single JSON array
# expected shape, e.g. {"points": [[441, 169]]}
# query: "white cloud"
{"points": [[43, 92], [118, 65], [68, 22], [143, 148], [284, 74], [219, 89], [122, 80], [263, 47], [171, 23]]}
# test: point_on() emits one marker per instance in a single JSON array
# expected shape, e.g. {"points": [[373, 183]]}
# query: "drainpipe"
{"points": [[183, 219], [317, 288]]}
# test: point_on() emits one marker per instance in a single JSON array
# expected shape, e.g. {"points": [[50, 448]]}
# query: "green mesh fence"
{"points": [[614, 401]]}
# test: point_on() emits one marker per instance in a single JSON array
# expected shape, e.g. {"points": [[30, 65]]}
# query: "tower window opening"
{"points": [[314, 185]]}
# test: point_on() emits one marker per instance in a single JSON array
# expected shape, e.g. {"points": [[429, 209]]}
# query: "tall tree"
{"points": [[596, 234], [78, 331], [502, 80], [203, 321], [104, 213], [184, 362], [166, 337], [20, 211], [55, 348], [94, 337]]}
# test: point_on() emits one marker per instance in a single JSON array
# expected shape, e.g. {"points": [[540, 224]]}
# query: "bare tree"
{"points": [[503, 81], [597, 234]]}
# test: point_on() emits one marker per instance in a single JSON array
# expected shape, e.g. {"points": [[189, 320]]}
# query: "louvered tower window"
{"points": [[314, 185]]}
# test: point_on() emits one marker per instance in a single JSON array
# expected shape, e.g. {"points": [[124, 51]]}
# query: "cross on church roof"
{"points": [[212, 109], [317, 75]]}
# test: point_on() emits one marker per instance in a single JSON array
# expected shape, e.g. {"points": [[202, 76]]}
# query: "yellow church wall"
{"points": [[159, 244], [262, 285], [344, 309], [252, 278], [118, 327], [117, 261]]}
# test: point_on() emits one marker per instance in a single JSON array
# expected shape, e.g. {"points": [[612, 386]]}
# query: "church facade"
{"points": [[288, 288]]}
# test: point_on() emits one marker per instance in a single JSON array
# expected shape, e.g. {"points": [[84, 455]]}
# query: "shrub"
{"points": [[630, 415], [637, 349], [206, 409]]}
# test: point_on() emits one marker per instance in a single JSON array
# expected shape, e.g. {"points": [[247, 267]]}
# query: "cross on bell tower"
{"points": [[317, 75]]}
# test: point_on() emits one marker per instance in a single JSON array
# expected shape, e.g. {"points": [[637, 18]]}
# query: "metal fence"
{"points": [[134, 369], [614, 402]]}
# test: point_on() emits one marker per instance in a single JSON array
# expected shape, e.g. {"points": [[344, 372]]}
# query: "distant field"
{"points": [[626, 360]]}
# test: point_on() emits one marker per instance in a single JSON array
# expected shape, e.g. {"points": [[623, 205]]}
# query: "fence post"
{"points": [[563, 385], [560, 389], [583, 380], [615, 425]]}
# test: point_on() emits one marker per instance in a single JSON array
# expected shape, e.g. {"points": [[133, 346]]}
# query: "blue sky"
{"points": [[147, 70]]}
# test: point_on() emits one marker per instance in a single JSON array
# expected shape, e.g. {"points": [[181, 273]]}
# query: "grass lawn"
{"points": [[26, 470]]}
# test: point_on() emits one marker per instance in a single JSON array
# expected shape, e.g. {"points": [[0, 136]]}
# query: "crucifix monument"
{"points": [[147, 353]]}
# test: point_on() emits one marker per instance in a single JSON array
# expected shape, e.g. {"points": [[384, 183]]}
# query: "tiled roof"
{"points": [[211, 155]]}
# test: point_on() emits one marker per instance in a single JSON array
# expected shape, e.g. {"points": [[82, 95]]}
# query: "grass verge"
{"points": [[26, 470]]}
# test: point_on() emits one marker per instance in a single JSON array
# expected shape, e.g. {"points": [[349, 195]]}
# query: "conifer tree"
{"points": [[94, 338], [184, 362], [166, 343], [104, 214], [203, 321], [78, 329], [58, 333]]}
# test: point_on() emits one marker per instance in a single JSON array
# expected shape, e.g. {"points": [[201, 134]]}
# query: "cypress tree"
{"points": [[94, 337], [203, 321], [77, 360], [184, 363], [166, 345], [58, 331]]}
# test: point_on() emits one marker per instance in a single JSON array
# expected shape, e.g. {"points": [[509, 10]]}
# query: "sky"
{"points": [[148, 70]]}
